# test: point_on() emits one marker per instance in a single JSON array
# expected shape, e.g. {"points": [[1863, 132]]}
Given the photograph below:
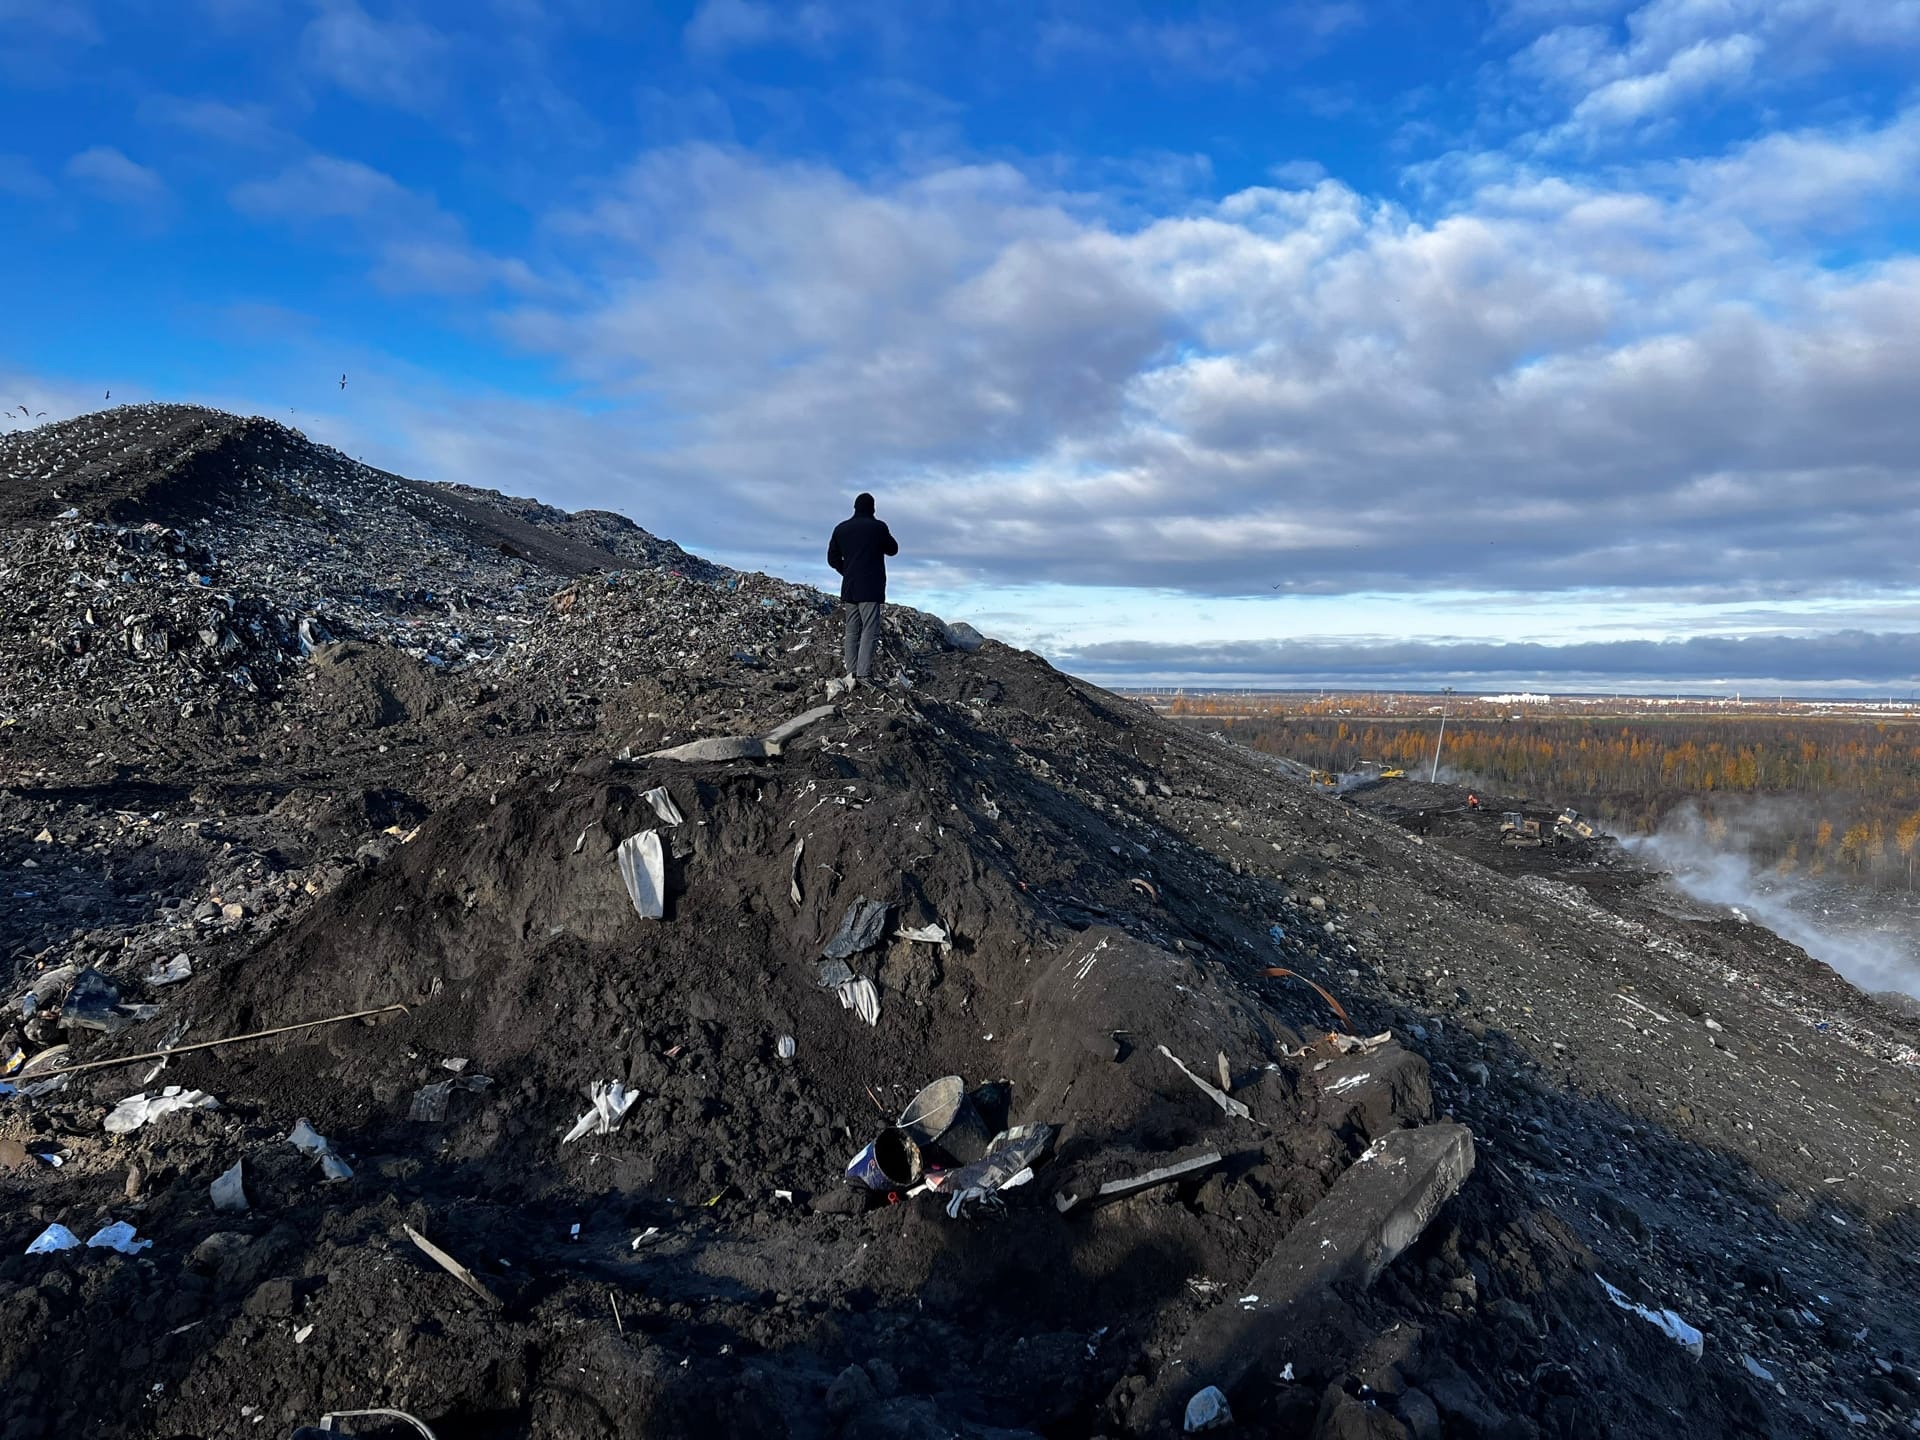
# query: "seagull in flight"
{"points": [[343, 380]]}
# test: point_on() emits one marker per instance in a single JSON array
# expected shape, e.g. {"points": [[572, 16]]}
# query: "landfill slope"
{"points": [[1624, 1099]]}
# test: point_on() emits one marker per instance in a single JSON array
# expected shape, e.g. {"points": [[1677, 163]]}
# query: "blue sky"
{"points": [[1516, 342]]}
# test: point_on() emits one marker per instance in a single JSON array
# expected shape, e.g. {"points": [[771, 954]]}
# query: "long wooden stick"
{"points": [[229, 1040]]}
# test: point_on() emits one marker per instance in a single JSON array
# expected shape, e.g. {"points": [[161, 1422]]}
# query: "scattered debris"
{"points": [[309, 1141], [793, 883], [933, 934], [861, 996], [1666, 1321], [326, 1421], [643, 867], [229, 1190], [862, 927], [54, 1237], [117, 1235], [728, 747], [784, 1047], [136, 1110], [663, 805], [611, 1101], [430, 1102], [452, 1266], [167, 1054], [172, 973], [792, 729], [1011, 1152], [1214, 1093], [1133, 1184], [1207, 1410]]}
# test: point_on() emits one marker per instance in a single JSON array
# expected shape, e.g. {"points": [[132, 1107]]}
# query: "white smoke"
{"points": [[1798, 911]]}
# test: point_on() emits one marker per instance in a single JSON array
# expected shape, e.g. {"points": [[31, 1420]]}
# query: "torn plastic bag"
{"points": [[117, 1236], [309, 1141], [229, 1192], [834, 974], [1010, 1153], [430, 1101], [861, 928], [136, 1110], [53, 1238], [860, 996], [172, 973], [644, 867], [611, 1101], [935, 934], [93, 1003], [663, 806]]}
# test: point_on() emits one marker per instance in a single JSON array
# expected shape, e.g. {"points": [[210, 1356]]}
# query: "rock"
{"points": [[271, 1298], [13, 1155], [1382, 1091], [962, 636], [1347, 1417], [850, 1393], [1418, 1413], [790, 729]]}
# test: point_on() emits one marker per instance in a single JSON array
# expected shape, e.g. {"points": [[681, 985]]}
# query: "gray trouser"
{"points": [[863, 629]]}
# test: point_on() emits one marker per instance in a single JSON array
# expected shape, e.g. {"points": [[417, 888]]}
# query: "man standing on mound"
{"points": [[859, 550]]}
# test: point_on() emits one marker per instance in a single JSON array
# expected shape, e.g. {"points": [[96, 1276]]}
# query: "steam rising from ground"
{"points": [[1825, 919]]}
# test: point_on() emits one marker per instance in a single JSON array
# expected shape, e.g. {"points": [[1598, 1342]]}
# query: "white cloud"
{"points": [[1700, 68], [392, 62], [112, 176], [415, 246], [719, 27], [246, 127]]}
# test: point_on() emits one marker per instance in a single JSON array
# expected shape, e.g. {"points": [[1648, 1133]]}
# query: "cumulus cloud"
{"points": [[112, 176], [392, 62], [1553, 386], [718, 27], [415, 245]]}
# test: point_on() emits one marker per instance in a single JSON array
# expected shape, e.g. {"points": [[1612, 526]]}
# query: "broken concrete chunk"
{"points": [[1214, 1093], [725, 747], [663, 806], [611, 1101], [643, 866], [229, 1192], [1374, 1211], [789, 729], [861, 928], [1383, 1090]]}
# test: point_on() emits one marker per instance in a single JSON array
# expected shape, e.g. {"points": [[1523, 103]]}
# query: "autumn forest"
{"points": [[1807, 796]]}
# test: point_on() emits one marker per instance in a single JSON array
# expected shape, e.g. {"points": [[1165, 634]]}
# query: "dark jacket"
{"points": [[859, 551]]}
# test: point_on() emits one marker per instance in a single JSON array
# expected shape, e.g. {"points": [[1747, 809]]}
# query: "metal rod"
{"points": [[229, 1040]]}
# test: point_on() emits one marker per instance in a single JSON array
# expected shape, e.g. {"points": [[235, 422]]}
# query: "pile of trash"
{"points": [[217, 568], [610, 1022]]}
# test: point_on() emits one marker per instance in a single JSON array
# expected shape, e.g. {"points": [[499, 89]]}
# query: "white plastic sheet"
{"points": [[611, 1101], [643, 866], [136, 1110]]}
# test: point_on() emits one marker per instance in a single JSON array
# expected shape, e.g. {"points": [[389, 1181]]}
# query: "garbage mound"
{"points": [[170, 557], [575, 1012]]}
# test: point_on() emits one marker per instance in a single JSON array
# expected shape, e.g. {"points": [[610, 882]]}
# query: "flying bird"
{"points": [[108, 395], [343, 380], [23, 410]]}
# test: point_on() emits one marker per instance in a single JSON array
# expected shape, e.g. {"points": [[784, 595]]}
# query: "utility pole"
{"points": [[1434, 778]]}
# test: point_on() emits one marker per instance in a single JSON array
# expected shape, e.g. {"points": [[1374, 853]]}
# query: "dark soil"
{"points": [[1660, 1095]]}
